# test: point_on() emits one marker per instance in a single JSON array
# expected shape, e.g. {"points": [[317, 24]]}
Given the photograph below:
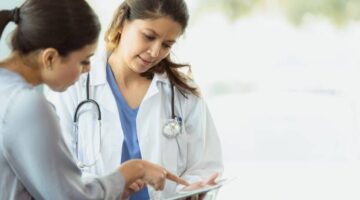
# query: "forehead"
{"points": [[163, 26]]}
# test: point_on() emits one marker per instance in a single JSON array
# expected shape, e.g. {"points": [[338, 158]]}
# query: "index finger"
{"points": [[176, 179]]}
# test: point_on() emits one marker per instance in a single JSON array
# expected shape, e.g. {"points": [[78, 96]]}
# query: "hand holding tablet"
{"points": [[199, 190]]}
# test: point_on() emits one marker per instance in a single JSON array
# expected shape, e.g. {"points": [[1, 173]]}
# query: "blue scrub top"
{"points": [[130, 147]]}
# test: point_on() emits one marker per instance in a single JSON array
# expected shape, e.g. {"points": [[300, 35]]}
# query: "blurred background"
{"points": [[282, 80]]}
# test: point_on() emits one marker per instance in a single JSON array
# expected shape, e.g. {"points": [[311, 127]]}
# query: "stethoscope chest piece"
{"points": [[172, 128]]}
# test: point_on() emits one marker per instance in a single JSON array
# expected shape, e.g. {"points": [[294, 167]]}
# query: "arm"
{"points": [[38, 156], [204, 148]]}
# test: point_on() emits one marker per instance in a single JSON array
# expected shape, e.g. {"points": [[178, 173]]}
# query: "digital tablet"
{"points": [[184, 194]]}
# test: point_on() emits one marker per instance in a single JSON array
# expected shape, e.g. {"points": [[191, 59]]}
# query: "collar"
{"points": [[98, 67]]}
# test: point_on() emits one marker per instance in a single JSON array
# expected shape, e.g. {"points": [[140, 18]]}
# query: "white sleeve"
{"points": [[204, 148], [35, 150]]}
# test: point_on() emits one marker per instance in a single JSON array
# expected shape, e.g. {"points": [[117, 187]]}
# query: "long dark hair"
{"points": [[65, 25], [150, 9]]}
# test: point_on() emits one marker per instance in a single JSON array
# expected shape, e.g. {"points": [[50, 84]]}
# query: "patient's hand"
{"points": [[210, 181]]}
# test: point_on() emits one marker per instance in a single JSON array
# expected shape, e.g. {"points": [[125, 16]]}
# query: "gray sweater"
{"points": [[35, 163]]}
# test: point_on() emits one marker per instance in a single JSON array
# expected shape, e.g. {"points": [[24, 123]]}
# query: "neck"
{"points": [[24, 67]]}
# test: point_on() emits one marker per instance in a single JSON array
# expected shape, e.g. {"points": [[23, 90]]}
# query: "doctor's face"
{"points": [[145, 42], [65, 71]]}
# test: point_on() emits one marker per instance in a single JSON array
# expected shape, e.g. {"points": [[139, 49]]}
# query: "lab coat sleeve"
{"points": [[204, 148], [36, 152]]}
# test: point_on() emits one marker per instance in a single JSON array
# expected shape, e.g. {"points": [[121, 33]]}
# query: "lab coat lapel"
{"points": [[154, 86], [107, 99], [98, 82], [147, 106]]}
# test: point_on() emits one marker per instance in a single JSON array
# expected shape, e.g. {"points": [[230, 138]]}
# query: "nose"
{"points": [[155, 50]]}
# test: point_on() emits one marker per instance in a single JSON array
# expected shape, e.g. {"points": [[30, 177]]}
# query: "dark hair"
{"points": [[65, 25], [152, 9]]}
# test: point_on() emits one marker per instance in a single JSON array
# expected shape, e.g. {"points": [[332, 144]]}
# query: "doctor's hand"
{"points": [[208, 182], [147, 172], [134, 187]]}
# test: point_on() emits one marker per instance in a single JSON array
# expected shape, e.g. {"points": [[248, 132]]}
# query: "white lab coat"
{"points": [[194, 155]]}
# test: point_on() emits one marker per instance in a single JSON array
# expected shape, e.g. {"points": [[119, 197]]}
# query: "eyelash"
{"points": [[166, 46], [151, 38], [85, 62]]}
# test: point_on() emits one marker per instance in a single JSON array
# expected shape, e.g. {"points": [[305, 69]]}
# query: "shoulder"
{"points": [[28, 111], [26, 104], [16, 94]]}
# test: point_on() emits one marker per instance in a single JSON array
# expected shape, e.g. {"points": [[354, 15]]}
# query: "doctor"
{"points": [[136, 104]]}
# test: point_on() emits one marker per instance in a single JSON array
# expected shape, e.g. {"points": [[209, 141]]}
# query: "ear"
{"points": [[48, 57], [121, 26], [120, 29]]}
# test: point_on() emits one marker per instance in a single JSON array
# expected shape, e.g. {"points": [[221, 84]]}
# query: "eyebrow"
{"points": [[155, 33], [90, 55]]}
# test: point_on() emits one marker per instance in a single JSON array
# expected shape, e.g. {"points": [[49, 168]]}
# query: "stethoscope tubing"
{"points": [[177, 121]]}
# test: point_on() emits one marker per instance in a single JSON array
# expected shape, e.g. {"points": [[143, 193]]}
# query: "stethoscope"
{"points": [[83, 165], [171, 129]]}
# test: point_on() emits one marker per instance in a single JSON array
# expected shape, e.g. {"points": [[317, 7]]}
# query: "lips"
{"points": [[146, 61]]}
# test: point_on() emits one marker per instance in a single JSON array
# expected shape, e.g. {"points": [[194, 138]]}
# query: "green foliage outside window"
{"points": [[340, 12]]}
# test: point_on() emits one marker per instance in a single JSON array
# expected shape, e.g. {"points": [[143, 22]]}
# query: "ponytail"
{"points": [[5, 18]]}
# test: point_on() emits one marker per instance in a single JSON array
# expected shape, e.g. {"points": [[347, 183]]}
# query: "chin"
{"points": [[139, 70], [58, 88], [143, 69], [62, 89]]}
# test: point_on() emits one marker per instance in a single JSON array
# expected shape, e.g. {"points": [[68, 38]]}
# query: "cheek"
{"points": [[131, 45], [128, 50], [72, 73]]}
